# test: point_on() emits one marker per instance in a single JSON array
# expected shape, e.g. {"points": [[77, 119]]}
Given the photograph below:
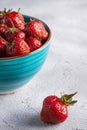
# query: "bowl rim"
{"points": [[37, 50]]}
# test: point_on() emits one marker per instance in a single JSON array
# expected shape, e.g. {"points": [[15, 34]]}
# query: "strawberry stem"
{"points": [[10, 45], [10, 10], [67, 99], [6, 11], [11, 30], [19, 10]]}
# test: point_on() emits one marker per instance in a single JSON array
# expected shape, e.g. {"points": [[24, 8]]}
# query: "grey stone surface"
{"points": [[64, 70]]}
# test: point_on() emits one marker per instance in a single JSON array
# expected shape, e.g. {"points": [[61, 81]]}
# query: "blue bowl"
{"points": [[17, 71]]}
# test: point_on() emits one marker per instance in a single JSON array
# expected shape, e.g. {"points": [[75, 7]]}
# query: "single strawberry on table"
{"points": [[33, 43], [36, 29], [17, 48], [55, 109]]}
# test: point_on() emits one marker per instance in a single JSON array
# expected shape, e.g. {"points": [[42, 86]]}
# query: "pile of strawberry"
{"points": [[18, 37]]}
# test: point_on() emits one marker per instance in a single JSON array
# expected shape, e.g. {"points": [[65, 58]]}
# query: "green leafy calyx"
{"points": [[67, 99]]}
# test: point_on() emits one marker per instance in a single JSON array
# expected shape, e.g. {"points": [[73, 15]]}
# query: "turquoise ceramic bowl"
{"points": [[17, 71]]}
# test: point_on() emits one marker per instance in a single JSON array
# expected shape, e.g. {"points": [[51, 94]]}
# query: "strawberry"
{"points": [[12, 19], [3, 28], [3, 16], [17, 37], [15, 19], [12, 33], [17, 48], [33, 43], [55, 109], [36, 29], [3, 45]]}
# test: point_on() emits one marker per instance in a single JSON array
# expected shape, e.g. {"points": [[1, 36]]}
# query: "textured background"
{"points": [[64, 70]]}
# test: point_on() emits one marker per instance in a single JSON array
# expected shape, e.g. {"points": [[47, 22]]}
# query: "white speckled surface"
{"points": [[64, 70]]}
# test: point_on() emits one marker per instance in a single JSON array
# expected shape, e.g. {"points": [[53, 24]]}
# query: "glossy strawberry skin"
{"points": [[17, 48], [12, 33], [14, 19], [33, 43], [3, 45], [36, 29], [20, 34], [53, 110]]}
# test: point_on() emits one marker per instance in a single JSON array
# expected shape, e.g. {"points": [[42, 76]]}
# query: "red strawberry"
{"points": [[36, 29], [15, 19], [55, 109], [12, 33], [3, 45], [33, 43], [3, 14], [17, 48], [20, 34], [12, 19], [3, 29]]}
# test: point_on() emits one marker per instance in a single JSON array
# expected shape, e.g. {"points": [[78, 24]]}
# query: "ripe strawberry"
{"points": [[55, 109], [3, 45], [12, 19], [17, 48], [33, 43], [3, 16], [12, 33], [3, 29], [15, 19], [36, 29]]}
